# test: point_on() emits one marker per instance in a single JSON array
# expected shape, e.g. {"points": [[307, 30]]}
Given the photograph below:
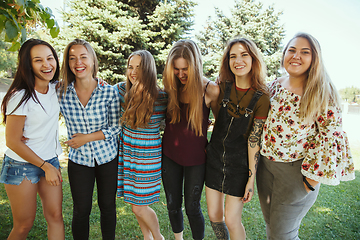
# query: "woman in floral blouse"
{"points": [[303, 143]]}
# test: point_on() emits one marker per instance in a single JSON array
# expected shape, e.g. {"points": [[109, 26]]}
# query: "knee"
{"points": [[215, 215], [173, 204], [24, 227], [192, 202], [232, 224], [54, 216], [138, 210], [108, 206], [82, 210], [233, 221]]}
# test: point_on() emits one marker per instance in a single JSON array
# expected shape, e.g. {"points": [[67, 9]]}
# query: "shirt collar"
{"points": [[99, 86]]}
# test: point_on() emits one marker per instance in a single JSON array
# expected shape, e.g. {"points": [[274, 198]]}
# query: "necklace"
{"points": [[237, 106]]}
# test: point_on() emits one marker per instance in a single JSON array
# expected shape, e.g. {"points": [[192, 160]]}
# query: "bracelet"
{"points": [[308, 184], [42, 164]]}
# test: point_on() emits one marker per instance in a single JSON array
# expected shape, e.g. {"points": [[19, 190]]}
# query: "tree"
{"points": [[350, 94], [17, 17], [7, 58], [247, 19], [116, 28]]}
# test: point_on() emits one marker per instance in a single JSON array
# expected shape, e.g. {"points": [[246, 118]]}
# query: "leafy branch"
{"points": [[18, 16]]}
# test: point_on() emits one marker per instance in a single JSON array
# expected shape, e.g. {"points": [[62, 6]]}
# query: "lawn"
{"points": [[335, 215]]}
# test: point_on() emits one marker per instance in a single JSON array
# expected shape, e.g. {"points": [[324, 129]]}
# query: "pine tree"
{"points": [[117, 28], [247, 19]]}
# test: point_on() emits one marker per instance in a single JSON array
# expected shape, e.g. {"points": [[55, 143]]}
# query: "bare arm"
{"points": [[253, 154], [14, 134], [211, 97]]}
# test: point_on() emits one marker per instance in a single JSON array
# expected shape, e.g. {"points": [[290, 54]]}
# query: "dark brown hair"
{"points": [[24, 77]]}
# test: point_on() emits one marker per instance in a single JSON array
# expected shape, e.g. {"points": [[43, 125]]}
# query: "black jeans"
{"points": [[174, 176], [82, 179]]}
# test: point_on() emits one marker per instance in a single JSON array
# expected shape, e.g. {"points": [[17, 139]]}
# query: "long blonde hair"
{"points": [[319, 91], [258, 67], [66, 74], [140, 96], [188, 50]]}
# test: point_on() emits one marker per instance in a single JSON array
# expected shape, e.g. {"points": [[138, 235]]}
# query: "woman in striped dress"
{"points": [[143, 107]]}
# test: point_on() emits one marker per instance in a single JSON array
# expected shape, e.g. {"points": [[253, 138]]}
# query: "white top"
{"points": [[41, 123]]}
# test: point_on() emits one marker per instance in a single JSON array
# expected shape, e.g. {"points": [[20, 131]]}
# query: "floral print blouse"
{"points": [[323, 144]]}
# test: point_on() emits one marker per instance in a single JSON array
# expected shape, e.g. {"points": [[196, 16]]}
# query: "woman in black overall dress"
{"points": [[233, 151]]}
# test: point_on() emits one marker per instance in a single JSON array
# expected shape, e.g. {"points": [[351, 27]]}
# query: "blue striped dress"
{"points": [[139, 169]]}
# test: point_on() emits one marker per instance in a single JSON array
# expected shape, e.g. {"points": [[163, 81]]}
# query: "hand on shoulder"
{"points": [[212, 91]]}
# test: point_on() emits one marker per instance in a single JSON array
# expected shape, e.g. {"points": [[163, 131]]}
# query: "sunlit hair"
{"points": [[66, 74], [258, 67], [24, 77], [140, 96], [188, 50], [319, 91]]}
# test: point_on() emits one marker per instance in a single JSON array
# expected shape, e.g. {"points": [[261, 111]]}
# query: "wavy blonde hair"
{"points": [[188, 50], [66, 74], [319, 91], [140, 96], [258, 67]]}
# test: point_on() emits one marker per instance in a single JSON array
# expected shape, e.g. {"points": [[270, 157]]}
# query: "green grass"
{"points": [[335, 215]]}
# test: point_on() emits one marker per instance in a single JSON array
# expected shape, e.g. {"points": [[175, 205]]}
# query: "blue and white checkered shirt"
{"points": [[102, 112]]}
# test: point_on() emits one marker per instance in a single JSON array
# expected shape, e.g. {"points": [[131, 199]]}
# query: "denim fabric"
{"points": [[14, 172], [227, 168], [176, 177]]}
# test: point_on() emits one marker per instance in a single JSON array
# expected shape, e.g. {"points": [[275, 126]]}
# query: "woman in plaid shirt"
{"points": [[91, 110]]}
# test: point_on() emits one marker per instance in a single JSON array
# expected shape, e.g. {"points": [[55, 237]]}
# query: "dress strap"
{"points": [[226, 98], [252, 103], [207, 84]]}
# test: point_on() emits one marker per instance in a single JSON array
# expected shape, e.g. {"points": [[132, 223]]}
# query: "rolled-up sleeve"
{"points": [[113, 128]]}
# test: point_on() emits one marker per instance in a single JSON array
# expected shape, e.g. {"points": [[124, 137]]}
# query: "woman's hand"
{"points": [[52, 175], [249, 192], [313, 183], [77, 140]]}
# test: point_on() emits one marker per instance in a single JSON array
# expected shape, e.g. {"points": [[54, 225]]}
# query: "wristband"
{"points": [[42, 164], [308, 184]]}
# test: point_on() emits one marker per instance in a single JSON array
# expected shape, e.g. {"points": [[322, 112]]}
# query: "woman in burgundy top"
{"points": [[183, 162]]}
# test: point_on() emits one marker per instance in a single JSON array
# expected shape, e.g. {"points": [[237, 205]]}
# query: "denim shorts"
{"points": [[14, 172]]}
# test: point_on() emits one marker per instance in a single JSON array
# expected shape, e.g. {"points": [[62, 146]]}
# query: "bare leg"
{"points": [[221, 231], [215, 203], [51, 198], [23, 207], [233, 211], [148, 222], [179, 236]]}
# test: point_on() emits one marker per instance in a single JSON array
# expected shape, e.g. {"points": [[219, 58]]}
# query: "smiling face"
{"points": [[80, 62], [298, 57], [43, 63], [240, 61], [181, 69], [133, 68]]}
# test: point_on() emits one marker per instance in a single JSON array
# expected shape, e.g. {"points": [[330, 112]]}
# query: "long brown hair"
{"points": [[258, 68], [188, 50], [24, 77], [66, 74], [319, 90], [140, 97]]}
